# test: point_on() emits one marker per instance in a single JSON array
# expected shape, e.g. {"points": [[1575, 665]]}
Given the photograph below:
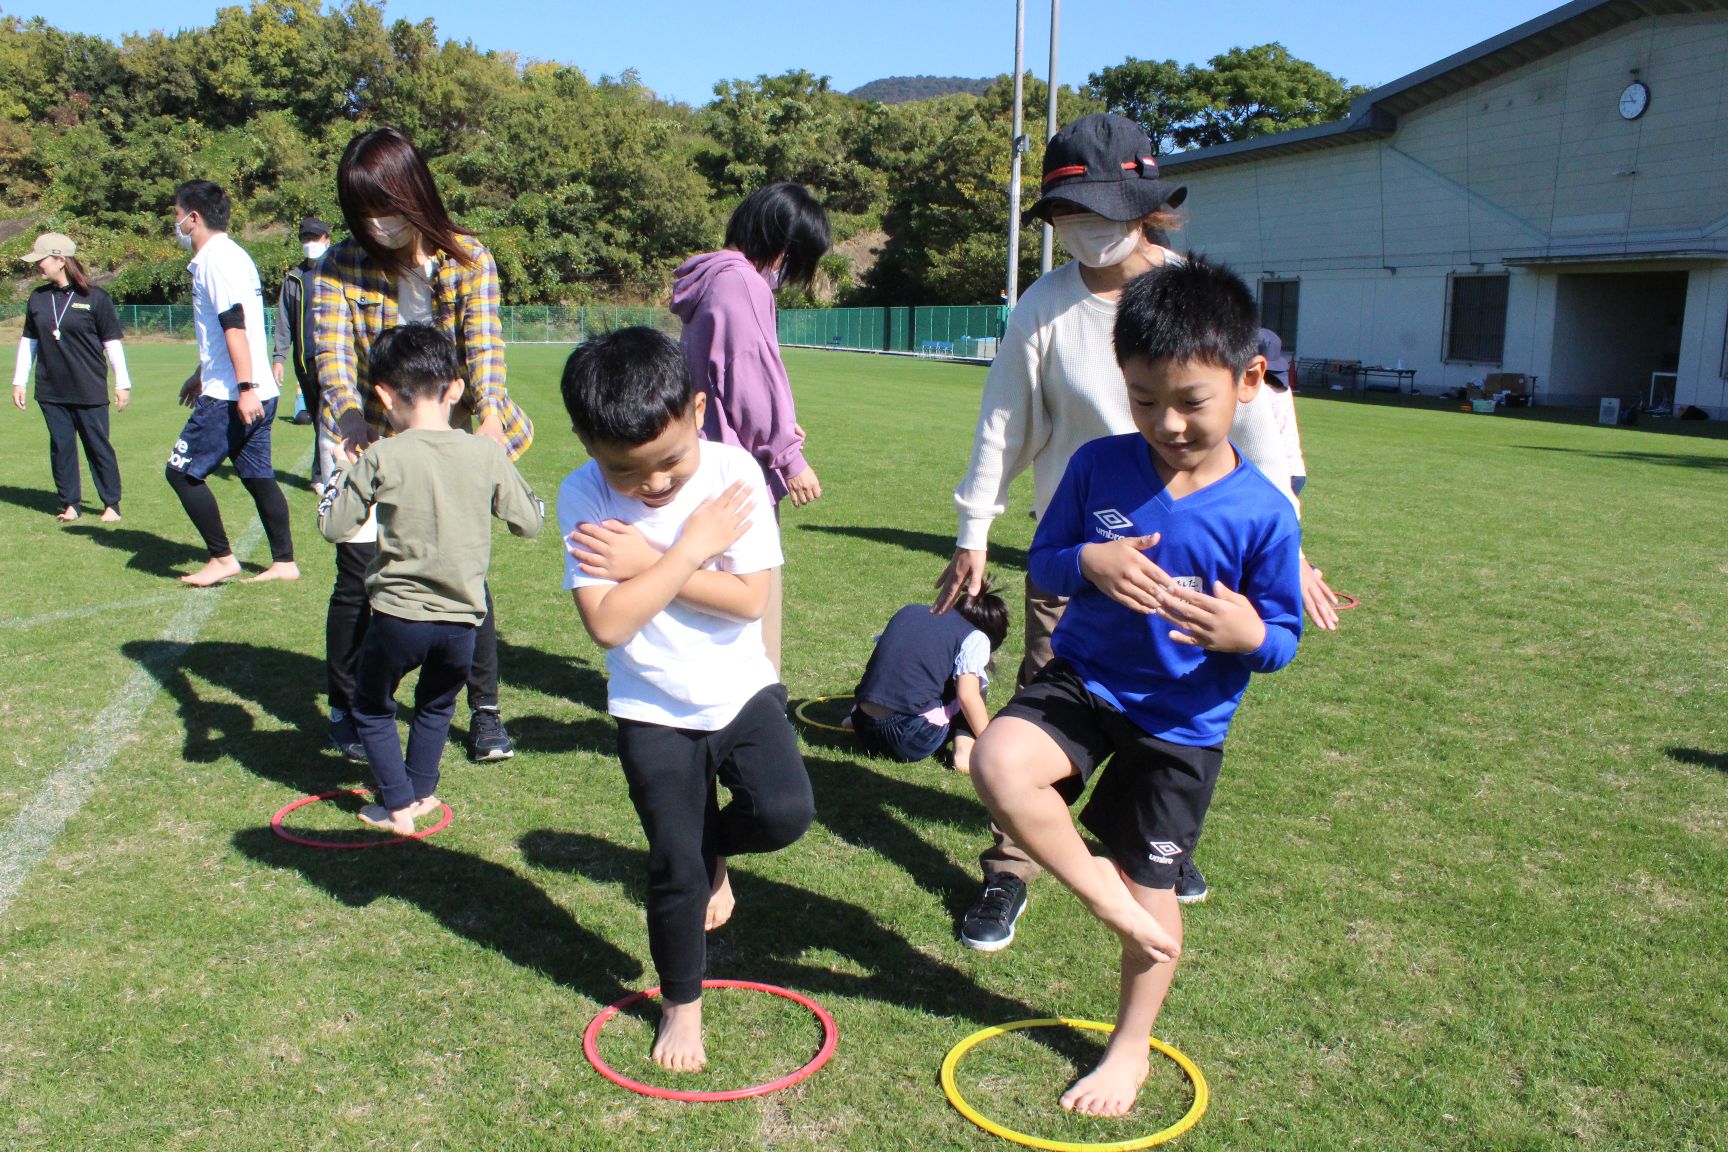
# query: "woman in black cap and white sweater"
{"points": [[72, 334], [1054, 386]]}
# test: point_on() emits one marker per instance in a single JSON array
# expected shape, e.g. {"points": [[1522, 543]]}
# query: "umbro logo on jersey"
{"points": [[1113, 520]]}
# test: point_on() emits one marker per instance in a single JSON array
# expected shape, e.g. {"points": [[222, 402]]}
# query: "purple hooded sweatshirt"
{"points": [[731, 344]]}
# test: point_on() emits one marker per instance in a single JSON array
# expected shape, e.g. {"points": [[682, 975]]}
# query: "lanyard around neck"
{"points": [[59, 313]]}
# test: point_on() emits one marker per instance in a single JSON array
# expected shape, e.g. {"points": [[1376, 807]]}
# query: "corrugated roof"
{"points": [[1375, 114]]}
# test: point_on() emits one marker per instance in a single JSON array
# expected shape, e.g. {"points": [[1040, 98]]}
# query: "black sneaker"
{"points": [[988, 925], [487, 739], [344, 738], [1190, 885]]}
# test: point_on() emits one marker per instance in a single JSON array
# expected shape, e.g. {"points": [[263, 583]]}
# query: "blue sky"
{"points": [[681, 48]]}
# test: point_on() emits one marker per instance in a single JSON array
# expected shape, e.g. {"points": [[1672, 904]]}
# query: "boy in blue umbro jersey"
{"points": [[1183, 566]]}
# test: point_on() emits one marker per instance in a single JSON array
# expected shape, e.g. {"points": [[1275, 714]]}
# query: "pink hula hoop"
{"points": [[296, 838], [1345, 602], [830, 1040]]}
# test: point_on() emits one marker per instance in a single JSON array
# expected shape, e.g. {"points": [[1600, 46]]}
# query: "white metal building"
{"points": [[1553, 202]]}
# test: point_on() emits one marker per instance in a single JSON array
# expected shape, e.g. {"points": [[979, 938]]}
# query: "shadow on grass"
{"points": [[1671, 460], [871, 810], [932, 543], [43, 500], [152, 554], [777, 924], [476, 899], [271, 681], [1703, 759], [552, 674]]}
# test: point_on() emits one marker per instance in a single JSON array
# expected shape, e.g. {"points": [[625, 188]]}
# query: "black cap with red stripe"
{"points": [[1105, 164]]}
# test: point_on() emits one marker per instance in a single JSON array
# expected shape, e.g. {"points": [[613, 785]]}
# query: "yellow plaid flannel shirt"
{"points": [[354, 299]]}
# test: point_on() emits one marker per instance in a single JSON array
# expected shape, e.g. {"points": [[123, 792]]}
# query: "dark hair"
{"points": [[208, 200], [383, 174], [1191, 311], [985, 612], [781, 218], [75, 273], [417, 360], [626, 386]]}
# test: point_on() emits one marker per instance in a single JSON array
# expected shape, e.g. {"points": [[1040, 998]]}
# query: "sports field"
{"points": [[1468, 857]]}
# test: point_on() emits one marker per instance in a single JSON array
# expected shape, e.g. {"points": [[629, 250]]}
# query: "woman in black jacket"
{"points": [[72, 333]]}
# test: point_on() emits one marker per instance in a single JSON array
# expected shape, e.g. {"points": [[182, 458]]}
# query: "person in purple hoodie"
{"points": [[726, 301]]}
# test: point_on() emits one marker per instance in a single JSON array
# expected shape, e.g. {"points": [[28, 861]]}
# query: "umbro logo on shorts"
{"points": [[1162, 851]]}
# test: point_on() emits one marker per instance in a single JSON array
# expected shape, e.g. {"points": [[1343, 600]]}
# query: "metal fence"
{"points": [[943, 332]]}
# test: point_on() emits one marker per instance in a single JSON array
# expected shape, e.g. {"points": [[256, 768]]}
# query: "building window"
{"points": [[1279, 303], [1476, 319]]}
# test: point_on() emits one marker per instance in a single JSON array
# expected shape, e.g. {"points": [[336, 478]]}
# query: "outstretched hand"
{"points": [[1120, 570], [1223, 622], [964, 574], [1318, 598]]}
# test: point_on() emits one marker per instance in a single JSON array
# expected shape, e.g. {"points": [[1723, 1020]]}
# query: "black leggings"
{"points": [[345, 631], [672, 773], [206, 515]]}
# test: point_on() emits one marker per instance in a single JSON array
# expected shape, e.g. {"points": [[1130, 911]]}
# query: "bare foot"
{"points": [[1140, 931], [284, 571], [110, 515], [678, 1040], [400, 821], [68, 515], [220, 569], [720, 900], [963, 754], [1109, 1089], [423, 806]]}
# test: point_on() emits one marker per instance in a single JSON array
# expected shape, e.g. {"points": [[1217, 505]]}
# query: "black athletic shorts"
{"points": [[1152, 796]]}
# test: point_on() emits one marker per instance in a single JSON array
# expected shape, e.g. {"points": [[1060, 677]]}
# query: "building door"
{"points": [[1616, 334], [1280, 301]]}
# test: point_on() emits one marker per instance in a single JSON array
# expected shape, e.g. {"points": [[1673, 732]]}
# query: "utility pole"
{"points": [[1050, 120], [1013, 295]]}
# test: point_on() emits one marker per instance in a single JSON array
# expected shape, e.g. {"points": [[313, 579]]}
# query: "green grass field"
{"points": [[1468, 857]]}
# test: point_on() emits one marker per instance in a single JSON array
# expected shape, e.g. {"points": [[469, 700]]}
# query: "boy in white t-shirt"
{"points": [[672, 546]]}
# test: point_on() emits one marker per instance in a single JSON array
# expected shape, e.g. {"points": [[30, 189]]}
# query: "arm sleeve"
{"points": [[233, 318], [973, 659], [1011, 429], [1255, 434], [758, 549], [107, 319], [26, 355], [281, 344], [481, 336], [117, 357], [750, 382], [30, 332], [578, 503], [1272, 581], [348, 501], [333, 350], [514, 502], [1054, 561]]}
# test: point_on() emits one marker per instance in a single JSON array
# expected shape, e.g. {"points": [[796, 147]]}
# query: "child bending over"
{"points": [[925, 681], [672, 548], [435, 489], [1182, 561]]}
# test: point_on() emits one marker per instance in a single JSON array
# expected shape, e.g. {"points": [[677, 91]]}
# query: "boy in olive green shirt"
{"points": [[434, 489]]}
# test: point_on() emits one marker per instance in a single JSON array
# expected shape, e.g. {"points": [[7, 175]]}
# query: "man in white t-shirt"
{"points": [[672, 546], [232, 394]]}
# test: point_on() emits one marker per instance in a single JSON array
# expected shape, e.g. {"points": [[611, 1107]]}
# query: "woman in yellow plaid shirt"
{"points": [[405, 262]]}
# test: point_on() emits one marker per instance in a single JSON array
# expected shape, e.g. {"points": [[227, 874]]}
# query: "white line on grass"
{"points": [[21, 622], [29, 836]]}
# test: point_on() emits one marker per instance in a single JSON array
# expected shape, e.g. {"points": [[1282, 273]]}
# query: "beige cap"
{"points": [[50, 244]]}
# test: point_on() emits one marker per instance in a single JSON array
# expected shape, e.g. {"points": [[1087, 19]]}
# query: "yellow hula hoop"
{"points": [[805, 719], [1202, 1095]]}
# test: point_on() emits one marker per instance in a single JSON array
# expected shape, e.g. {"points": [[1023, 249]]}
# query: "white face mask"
{"points": [[184, 239], [775, 277], [391, 231], [1097, 242], [315, 248]]}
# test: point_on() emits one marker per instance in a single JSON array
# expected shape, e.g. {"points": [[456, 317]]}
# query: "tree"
{"points": [[1242, 93]]}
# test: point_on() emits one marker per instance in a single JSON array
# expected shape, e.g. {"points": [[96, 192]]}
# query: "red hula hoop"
{"points": [[1345, 602], [830, 1040], [296, 838]]}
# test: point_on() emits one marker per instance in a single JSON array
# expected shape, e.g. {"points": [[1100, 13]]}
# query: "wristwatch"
{"points": [[245, 386]]}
